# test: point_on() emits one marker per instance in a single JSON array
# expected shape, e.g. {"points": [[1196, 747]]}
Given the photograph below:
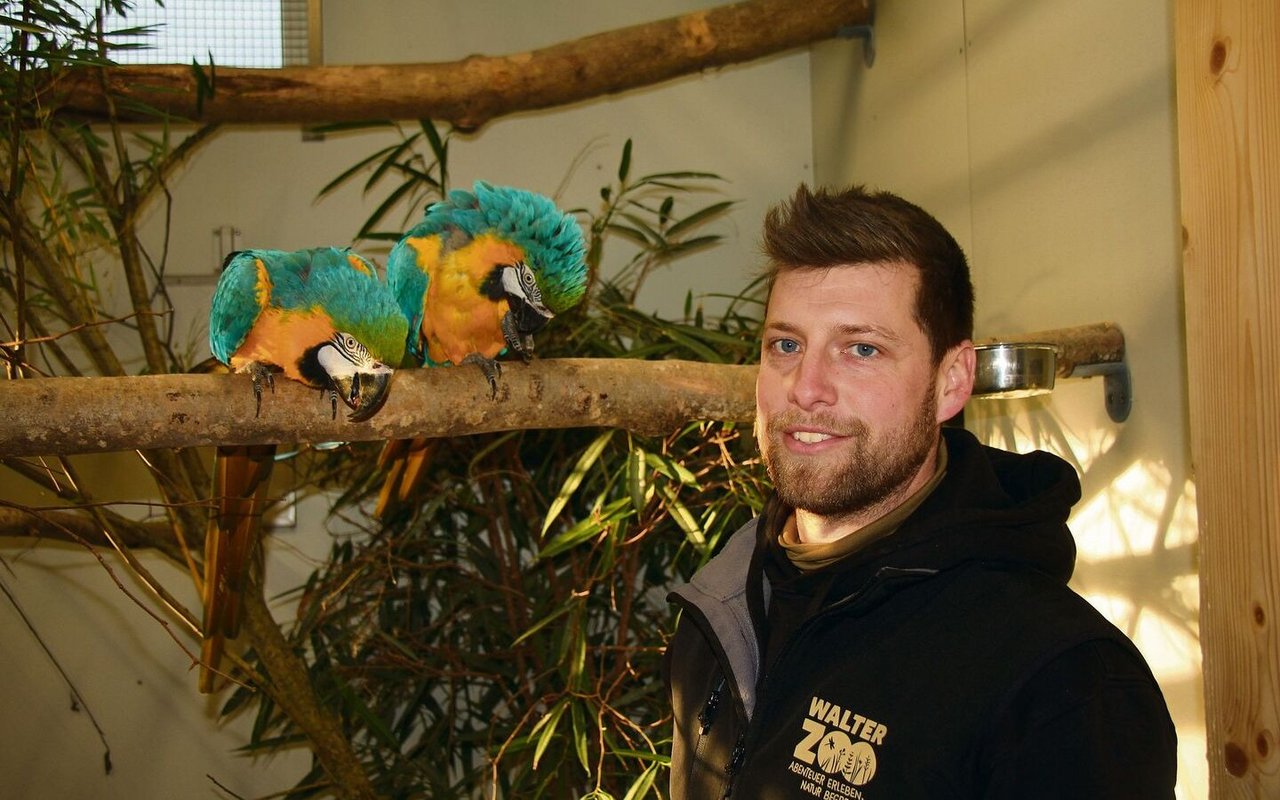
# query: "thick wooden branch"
{"points": [[473, 91], [81, 415]]}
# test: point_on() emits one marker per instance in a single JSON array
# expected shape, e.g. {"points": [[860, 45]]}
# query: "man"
{"points": [[897, 623]]}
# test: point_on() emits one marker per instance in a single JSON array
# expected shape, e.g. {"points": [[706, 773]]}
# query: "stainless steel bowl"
{"points": [[1014, 369]]}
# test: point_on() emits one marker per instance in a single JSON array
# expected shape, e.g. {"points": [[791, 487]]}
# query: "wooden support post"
{"points": [[1228, 82]]}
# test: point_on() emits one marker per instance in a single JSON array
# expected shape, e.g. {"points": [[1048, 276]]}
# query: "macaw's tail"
{"points": [[232, 546], [405, 462]]}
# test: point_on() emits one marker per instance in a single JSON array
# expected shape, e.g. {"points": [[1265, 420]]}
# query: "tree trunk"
{"points": [[471, 92]]}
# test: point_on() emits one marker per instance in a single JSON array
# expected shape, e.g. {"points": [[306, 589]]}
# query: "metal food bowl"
{"points": [[1010, 370]]}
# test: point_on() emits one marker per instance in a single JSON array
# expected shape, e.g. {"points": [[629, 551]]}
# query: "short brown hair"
{"points": [[820, 229]]}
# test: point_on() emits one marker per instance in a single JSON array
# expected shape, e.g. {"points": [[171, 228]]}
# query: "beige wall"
{"points": [[1042, 134]]}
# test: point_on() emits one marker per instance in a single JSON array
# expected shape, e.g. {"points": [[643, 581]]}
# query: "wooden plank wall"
{"points": [[1228, 96]]}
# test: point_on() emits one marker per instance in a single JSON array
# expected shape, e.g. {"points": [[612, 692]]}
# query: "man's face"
{"points": [[847, 396]]}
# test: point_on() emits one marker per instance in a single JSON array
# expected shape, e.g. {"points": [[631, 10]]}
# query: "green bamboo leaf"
{"points": [[643, 783], [385, 206], [545, 621], [649, 231], [638, 479], [692, 530], [637, 236], [548, 727], [672, 469], [439, 145], [372, 720], [664, 211], [359, 165], [580, 736], [625, 167], [703, 351], [673, 250], [587, 528], [643, 755], [578, 663], [698, 217], [17, 24], [585, 461], [389, 161], [680, 176]]}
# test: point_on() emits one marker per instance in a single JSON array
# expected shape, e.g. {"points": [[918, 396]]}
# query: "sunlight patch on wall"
{"points": [[1138, 512]]}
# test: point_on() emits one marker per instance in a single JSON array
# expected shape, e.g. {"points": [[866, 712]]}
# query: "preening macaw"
{"points": [[481, 273], [321, 317]]}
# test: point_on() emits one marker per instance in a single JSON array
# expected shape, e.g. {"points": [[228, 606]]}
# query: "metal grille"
{"points": [[235, 33]]}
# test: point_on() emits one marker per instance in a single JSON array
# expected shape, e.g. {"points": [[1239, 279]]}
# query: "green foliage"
{"points": [[505, 636], [71, 195]]}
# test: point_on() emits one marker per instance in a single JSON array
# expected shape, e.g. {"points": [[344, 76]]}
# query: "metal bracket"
{"points": [[866, 33], [1117, 386]]}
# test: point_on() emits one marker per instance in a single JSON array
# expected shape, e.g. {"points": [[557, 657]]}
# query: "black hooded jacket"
{"points": [[948, 659]]}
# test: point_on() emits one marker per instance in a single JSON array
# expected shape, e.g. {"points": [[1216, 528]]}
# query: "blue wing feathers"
{"points": [[316, 280]]}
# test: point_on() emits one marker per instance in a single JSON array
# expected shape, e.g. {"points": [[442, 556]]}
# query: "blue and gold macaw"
{"points": [[481, 273], [321, 317]]}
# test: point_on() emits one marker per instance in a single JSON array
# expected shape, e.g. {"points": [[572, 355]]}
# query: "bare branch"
{"points": [[471, 92]]}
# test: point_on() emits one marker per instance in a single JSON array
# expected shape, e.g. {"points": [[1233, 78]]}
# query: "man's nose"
{"points": [[811, 383]]}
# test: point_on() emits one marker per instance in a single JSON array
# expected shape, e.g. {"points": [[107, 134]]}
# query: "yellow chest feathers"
{"points": [[280, 338], [458, 320]]}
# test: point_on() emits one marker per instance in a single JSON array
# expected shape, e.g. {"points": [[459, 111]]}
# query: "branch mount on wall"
{"points": [[866, 33], [1029, 367]]}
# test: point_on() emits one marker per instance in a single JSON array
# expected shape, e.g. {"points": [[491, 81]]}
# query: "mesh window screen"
{"points": [[238, 33]]}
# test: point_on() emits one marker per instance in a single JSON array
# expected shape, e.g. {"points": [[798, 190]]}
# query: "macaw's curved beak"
{"points": [[364, 392]]}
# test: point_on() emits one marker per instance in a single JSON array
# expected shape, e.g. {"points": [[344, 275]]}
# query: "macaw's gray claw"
{"points": [[491, 368], [260, 373]]}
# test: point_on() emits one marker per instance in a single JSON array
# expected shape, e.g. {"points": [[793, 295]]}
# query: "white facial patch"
{"points": [[519, 281]]}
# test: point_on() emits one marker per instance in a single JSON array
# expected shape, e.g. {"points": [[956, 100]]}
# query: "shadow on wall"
{"points": [[1135, 529]]}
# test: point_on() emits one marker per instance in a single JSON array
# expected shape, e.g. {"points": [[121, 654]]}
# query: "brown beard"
{"points": [[872, 473]]}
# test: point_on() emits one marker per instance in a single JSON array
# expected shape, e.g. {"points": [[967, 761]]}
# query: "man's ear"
{"points": [[955, 379]]}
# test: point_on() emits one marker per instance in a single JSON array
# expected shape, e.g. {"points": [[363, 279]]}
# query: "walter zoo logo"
{"points": [[837, 753]]}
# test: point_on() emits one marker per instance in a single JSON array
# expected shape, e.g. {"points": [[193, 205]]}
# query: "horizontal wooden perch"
{"points": [[81, 415], [55, 416], [470, 92]]}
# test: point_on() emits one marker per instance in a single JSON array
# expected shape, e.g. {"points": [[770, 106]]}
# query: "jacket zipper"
{"points": [[735, 763], [706, 717], [708, 713]]}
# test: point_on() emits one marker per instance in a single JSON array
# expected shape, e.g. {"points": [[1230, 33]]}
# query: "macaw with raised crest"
{"points": [[477, 277], [321, 317]]}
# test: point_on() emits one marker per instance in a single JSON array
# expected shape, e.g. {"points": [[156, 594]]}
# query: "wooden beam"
{"points": [[1228, 78], [471, 92]]}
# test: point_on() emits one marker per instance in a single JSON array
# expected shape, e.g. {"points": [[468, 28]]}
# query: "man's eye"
{"points": [[786, 346], [864, 350]]}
